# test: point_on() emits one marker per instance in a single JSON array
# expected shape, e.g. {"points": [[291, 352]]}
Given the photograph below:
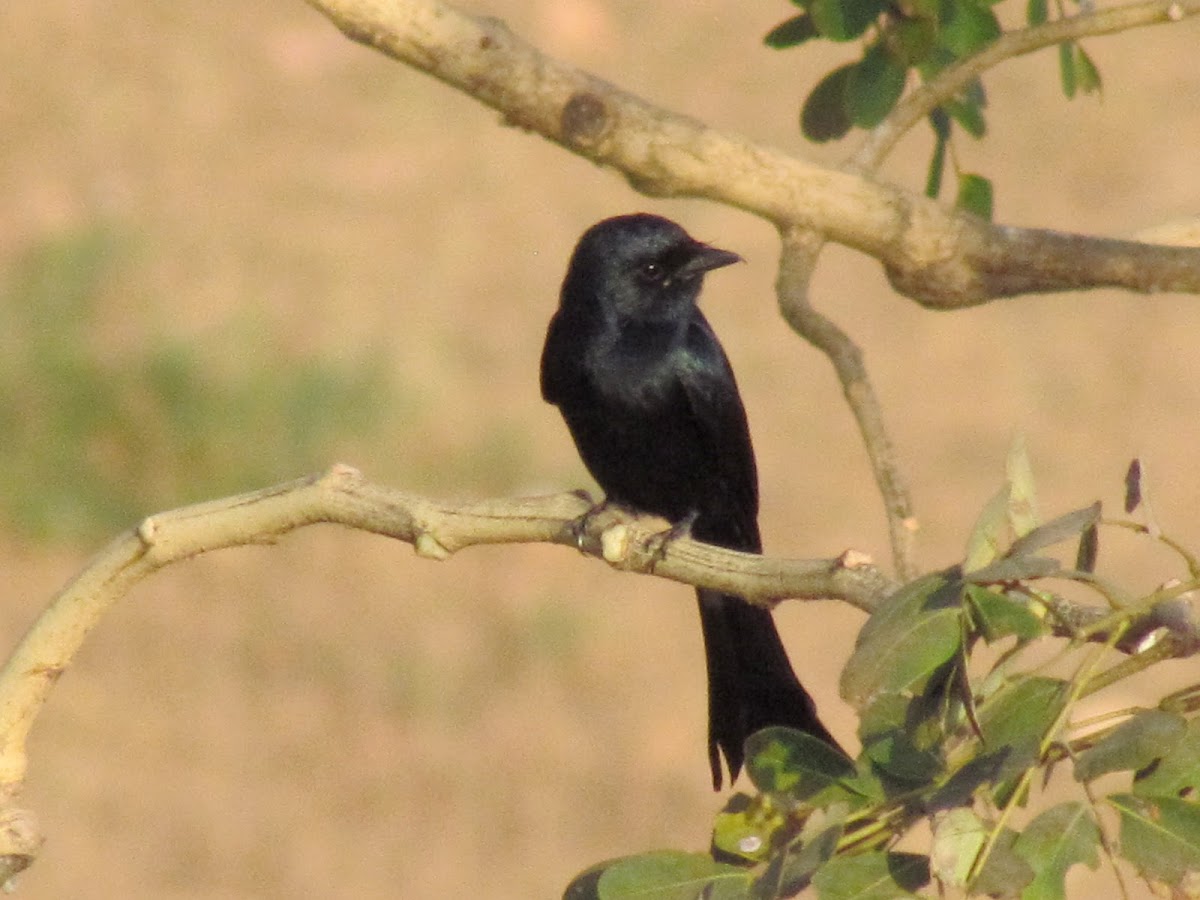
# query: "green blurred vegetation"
{"points": [[90, 439]]}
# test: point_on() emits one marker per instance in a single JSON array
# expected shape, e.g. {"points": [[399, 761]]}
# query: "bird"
{"points": [[650, 400]]}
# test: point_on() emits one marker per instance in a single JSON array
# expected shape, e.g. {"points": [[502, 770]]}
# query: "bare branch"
{"points": [[800, 248], [993, 261], [435, 529], [954, 79], [635, 544], [940, 257]]}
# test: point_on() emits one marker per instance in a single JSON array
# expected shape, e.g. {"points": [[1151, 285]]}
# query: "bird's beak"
{"points": [[705, 259]]}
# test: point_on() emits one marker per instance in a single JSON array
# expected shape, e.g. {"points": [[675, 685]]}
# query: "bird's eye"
{"points": [[650, 272]]}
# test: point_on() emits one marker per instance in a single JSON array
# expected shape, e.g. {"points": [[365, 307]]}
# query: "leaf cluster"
{"points": [[903, 43], [967, 683]]}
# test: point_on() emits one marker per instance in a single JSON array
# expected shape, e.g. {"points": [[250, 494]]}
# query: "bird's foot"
{"points": [[681, 529], [585, 524]]}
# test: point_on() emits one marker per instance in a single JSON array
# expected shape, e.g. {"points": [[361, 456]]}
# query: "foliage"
{"points": [[94, 438], [967, 683], [910, 41]]}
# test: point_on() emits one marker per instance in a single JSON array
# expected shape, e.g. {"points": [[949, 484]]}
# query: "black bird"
{"points": [[651, 402]]}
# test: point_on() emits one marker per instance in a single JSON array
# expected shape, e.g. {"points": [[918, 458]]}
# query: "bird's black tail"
{"points": [[751, 684]]}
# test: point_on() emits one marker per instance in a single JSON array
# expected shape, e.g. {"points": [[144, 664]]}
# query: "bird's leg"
{"points": [[580, 527], [680, 529]]}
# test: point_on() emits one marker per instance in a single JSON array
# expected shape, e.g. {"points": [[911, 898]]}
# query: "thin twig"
{"points": [[799, 250]]}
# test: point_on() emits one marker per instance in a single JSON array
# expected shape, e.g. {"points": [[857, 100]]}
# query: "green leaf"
{"points": [[899, 742], [670, 875], [1159, 835], [789, 873], [958, 836], [911, 39], [998, 615], [791, 32], [1062, 528], [1022, 711], [1089, 549], [1053, 842], [1177, 774], [1087, 76], [1148, 736], [824, 116], [961, 787], [1022, 496], [1004, 872], [1015, 568], [968, 27], [1133, 485], [844, 20], [783, 760], [872, 876], [1017, 718], [974, 195], [874, 86], [915, 632], [969, 114], [746, 827], [586, 885], [1066, 68], [1036, 12], [924, 9], [990, 532], [1079, 73], [940, 123]]}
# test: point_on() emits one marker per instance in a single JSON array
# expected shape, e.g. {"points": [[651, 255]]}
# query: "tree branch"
{"points": [[800, 248], [435, 529], [942, 258]]}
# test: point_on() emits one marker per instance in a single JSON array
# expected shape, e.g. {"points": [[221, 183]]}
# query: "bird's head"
{"points": [[640, 267]]}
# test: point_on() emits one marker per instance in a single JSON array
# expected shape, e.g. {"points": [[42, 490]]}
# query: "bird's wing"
{"points": [[561, 355], [712, 394]]}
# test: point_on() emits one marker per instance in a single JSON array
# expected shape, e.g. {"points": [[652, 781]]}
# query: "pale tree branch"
{"points": [[435, 529], [800, 247], [940, 257]]}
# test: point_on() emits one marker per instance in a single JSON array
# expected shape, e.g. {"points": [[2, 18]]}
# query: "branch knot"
{"points": [[585, 120]]}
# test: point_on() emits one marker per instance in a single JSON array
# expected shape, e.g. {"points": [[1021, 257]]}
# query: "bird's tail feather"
{"points": [[751, 684]]}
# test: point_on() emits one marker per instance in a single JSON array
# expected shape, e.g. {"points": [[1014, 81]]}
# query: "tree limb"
{"points": [[800, 247], [939, 257], [435, 529]]}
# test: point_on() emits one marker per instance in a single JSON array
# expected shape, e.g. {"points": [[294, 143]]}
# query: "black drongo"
{"points": [[651, 402]]}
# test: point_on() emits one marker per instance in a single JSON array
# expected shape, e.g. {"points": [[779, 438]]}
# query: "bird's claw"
{"points": [[579, 527], [677, 531]]}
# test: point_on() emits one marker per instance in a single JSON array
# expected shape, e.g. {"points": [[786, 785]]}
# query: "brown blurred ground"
{"points": [[335, 718]]}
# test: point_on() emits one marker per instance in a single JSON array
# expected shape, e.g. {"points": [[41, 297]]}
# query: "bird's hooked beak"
{"points": [[704, 259]]}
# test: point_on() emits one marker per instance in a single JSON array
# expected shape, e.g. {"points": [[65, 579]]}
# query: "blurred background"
{"points": [[236, 248]]}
